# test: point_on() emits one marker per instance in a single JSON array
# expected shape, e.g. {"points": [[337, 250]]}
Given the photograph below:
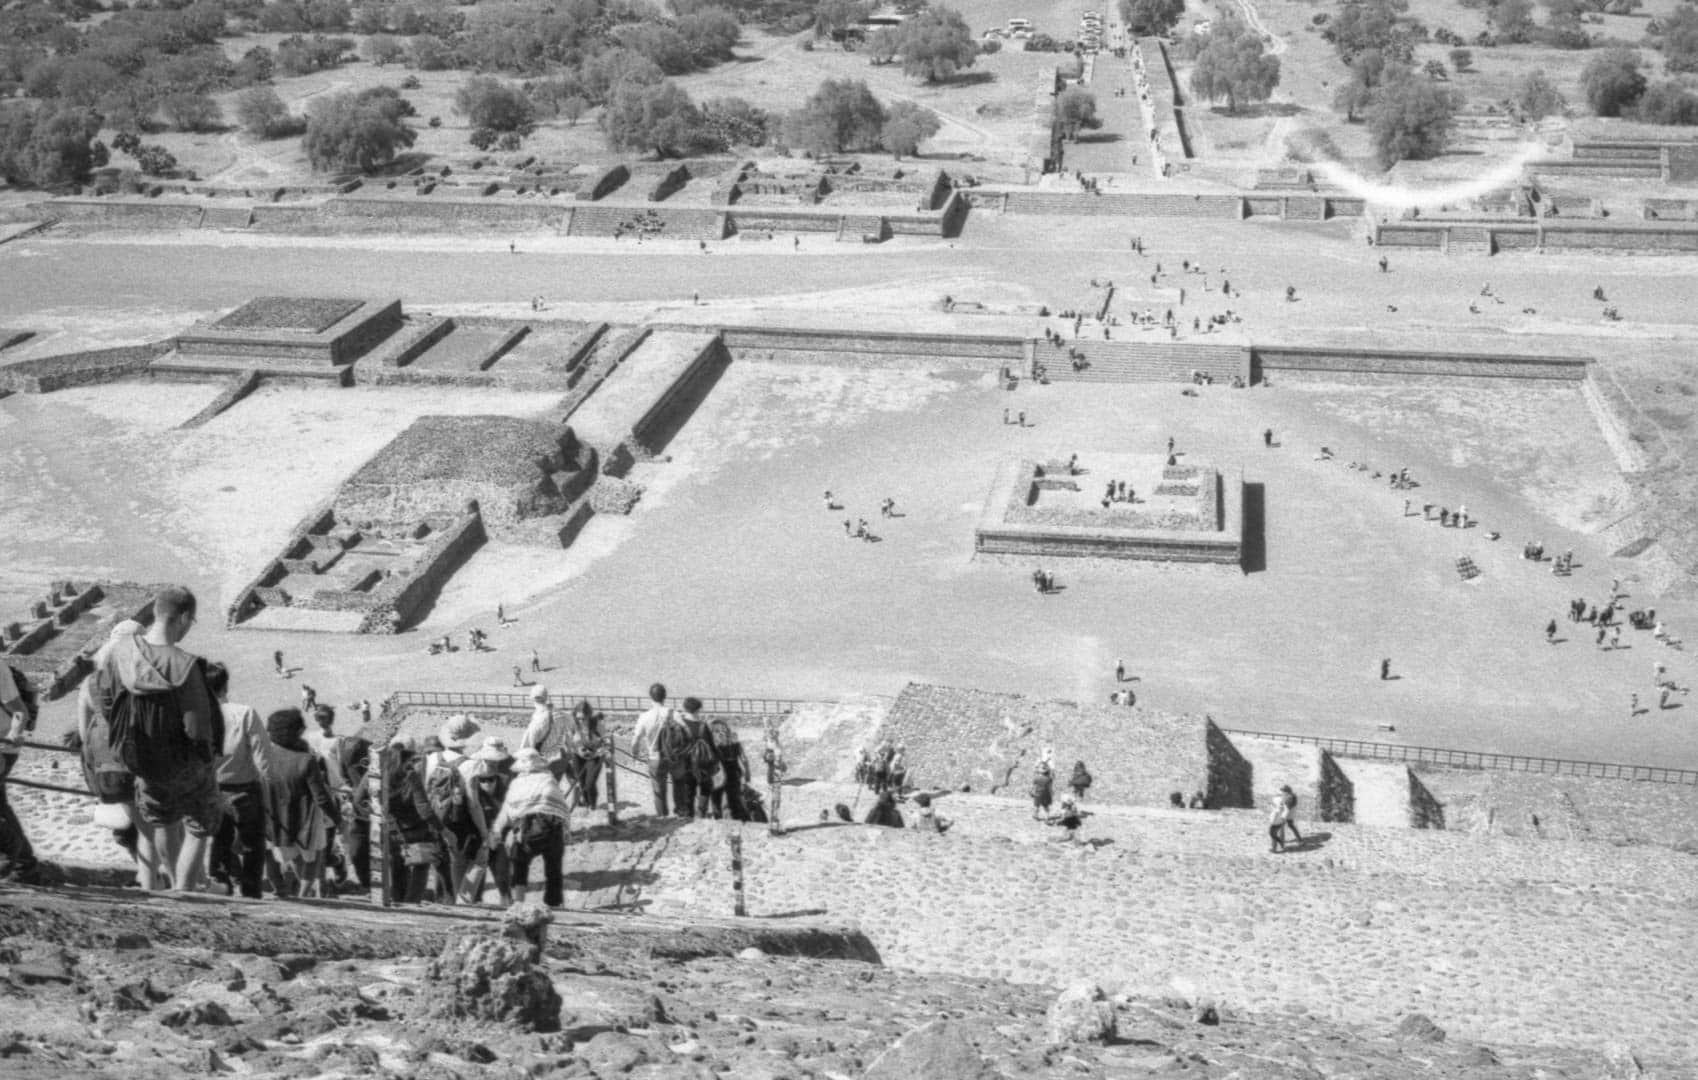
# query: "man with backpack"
{"points": [[465, 831], [686, 748], [645, 746], [166, 727], [17, 716]]}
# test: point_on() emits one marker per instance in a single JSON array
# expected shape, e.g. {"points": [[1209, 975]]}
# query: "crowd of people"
{"points": [[204, 794]]}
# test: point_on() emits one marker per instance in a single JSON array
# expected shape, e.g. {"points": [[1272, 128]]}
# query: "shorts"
{"points": [[189, 795]]}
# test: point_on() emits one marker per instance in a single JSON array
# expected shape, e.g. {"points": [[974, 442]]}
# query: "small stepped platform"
{"points": [[631, 407], [1305, 768], [177, 364], [1385, 793]]}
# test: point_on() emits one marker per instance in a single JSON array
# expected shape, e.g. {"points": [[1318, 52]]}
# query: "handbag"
{"points": [[419, 854]]}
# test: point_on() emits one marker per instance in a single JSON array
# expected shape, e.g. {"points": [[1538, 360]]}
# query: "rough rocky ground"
{"points": [[100, 982]]}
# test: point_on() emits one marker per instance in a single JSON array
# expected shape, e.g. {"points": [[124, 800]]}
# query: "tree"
{"points": [[833, 15], [906, 126], [427, 52], [382, 49], [841, 115], [711, 33], [43, 146], [1436, 71], [734, 122], [1145, 17], [606, 70], [655, 117], [192, 112], [934, 44], [356, 131], [1075, 108], [1410, 118], [263, 115], [255, 66], [660, 43], [1680, 39], [1513, 20], [1232, 64], [1355, 94], [1612, 81], [1667, 102], [1461, 59], [155, 160], [883, 45], [491, 103], [1537, 96]]}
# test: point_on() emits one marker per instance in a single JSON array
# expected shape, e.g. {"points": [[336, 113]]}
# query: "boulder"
{"points": [[1417, 1027], [939, 1050], [1621, 1063], [1081, 1014], [482, 978]]}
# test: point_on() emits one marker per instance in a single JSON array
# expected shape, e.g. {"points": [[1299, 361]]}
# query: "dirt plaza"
{"points": [[731, 578]]}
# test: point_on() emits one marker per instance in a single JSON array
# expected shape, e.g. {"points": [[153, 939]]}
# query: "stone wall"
{"points": [[1334, 792], [1294, 359], [604, 183], [1229, 778], [1630, 457], [1425, 811], [398, 602], [873, 348], [46, 374]]}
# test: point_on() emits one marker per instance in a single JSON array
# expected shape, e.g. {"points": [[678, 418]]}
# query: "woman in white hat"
{"points": [[532, 823], [490, 776]]}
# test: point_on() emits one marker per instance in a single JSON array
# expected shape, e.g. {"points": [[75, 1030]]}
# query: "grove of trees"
{"points": [[1146, 17], [934, 44], [1612, 81], [1410, 117], [843, 115], [1232, 64], [357, 130], [1075, 110]]}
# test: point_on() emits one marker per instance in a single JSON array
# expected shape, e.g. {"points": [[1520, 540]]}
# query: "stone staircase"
{"points": [[1139, 361], [179, 365]]}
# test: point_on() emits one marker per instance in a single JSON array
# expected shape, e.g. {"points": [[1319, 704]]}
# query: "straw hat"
{"points": [[494, 748], [457, 731]]}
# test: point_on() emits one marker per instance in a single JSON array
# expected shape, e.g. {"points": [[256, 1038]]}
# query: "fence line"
{"points": [[1474, 759], [607, 703]]}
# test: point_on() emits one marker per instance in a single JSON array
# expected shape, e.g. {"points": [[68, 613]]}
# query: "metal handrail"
{"points": [[631, 704], [1477, 759]]}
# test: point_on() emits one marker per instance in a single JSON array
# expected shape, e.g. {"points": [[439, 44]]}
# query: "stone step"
{"points": [[209, 365]]}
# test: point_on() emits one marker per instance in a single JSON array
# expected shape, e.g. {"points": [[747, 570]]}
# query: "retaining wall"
{"points": [[1630, 457], [870, 348], [1289, 359], [46, 374]]}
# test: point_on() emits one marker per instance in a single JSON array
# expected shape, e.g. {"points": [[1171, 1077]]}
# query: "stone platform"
{"points": [[1180, 513]]}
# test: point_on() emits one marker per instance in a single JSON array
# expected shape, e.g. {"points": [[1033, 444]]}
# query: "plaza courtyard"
{"points": [[731, 578]]}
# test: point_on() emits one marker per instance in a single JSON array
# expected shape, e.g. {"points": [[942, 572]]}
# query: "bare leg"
{"points": [[147, 856], [191, 862]]}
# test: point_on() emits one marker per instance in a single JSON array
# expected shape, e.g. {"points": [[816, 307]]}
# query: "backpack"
{"points": [[703, 758], [145, 733], [673, 742], [103, 770], [1043, 787], [447, 793]]}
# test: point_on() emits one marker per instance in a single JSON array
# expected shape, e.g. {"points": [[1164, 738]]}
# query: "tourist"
{"points": [[17, 858], [177, 736], [309, 700], [645, 745], [1663, 697], [500, 615], [104, 772], [1633, 704], [926, 817], [277, 659], [301, 812], [1385, 669], [518, 676], [1080, 780], [328, 746], [543, 735], [861, 532], [465, 831], [1550, 632], [898, 771], [487, 785], [1120, 671], [693, 770], [1276, 823], [1384, 264], [884, 812], [354, 761], [1615, 637], [727, 796], [587, 749], [1602, 631], [1267, 437], [1022, 418], [238, 851], [1070, 820], [412, 822], [536, 661], [1043, 790]]}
